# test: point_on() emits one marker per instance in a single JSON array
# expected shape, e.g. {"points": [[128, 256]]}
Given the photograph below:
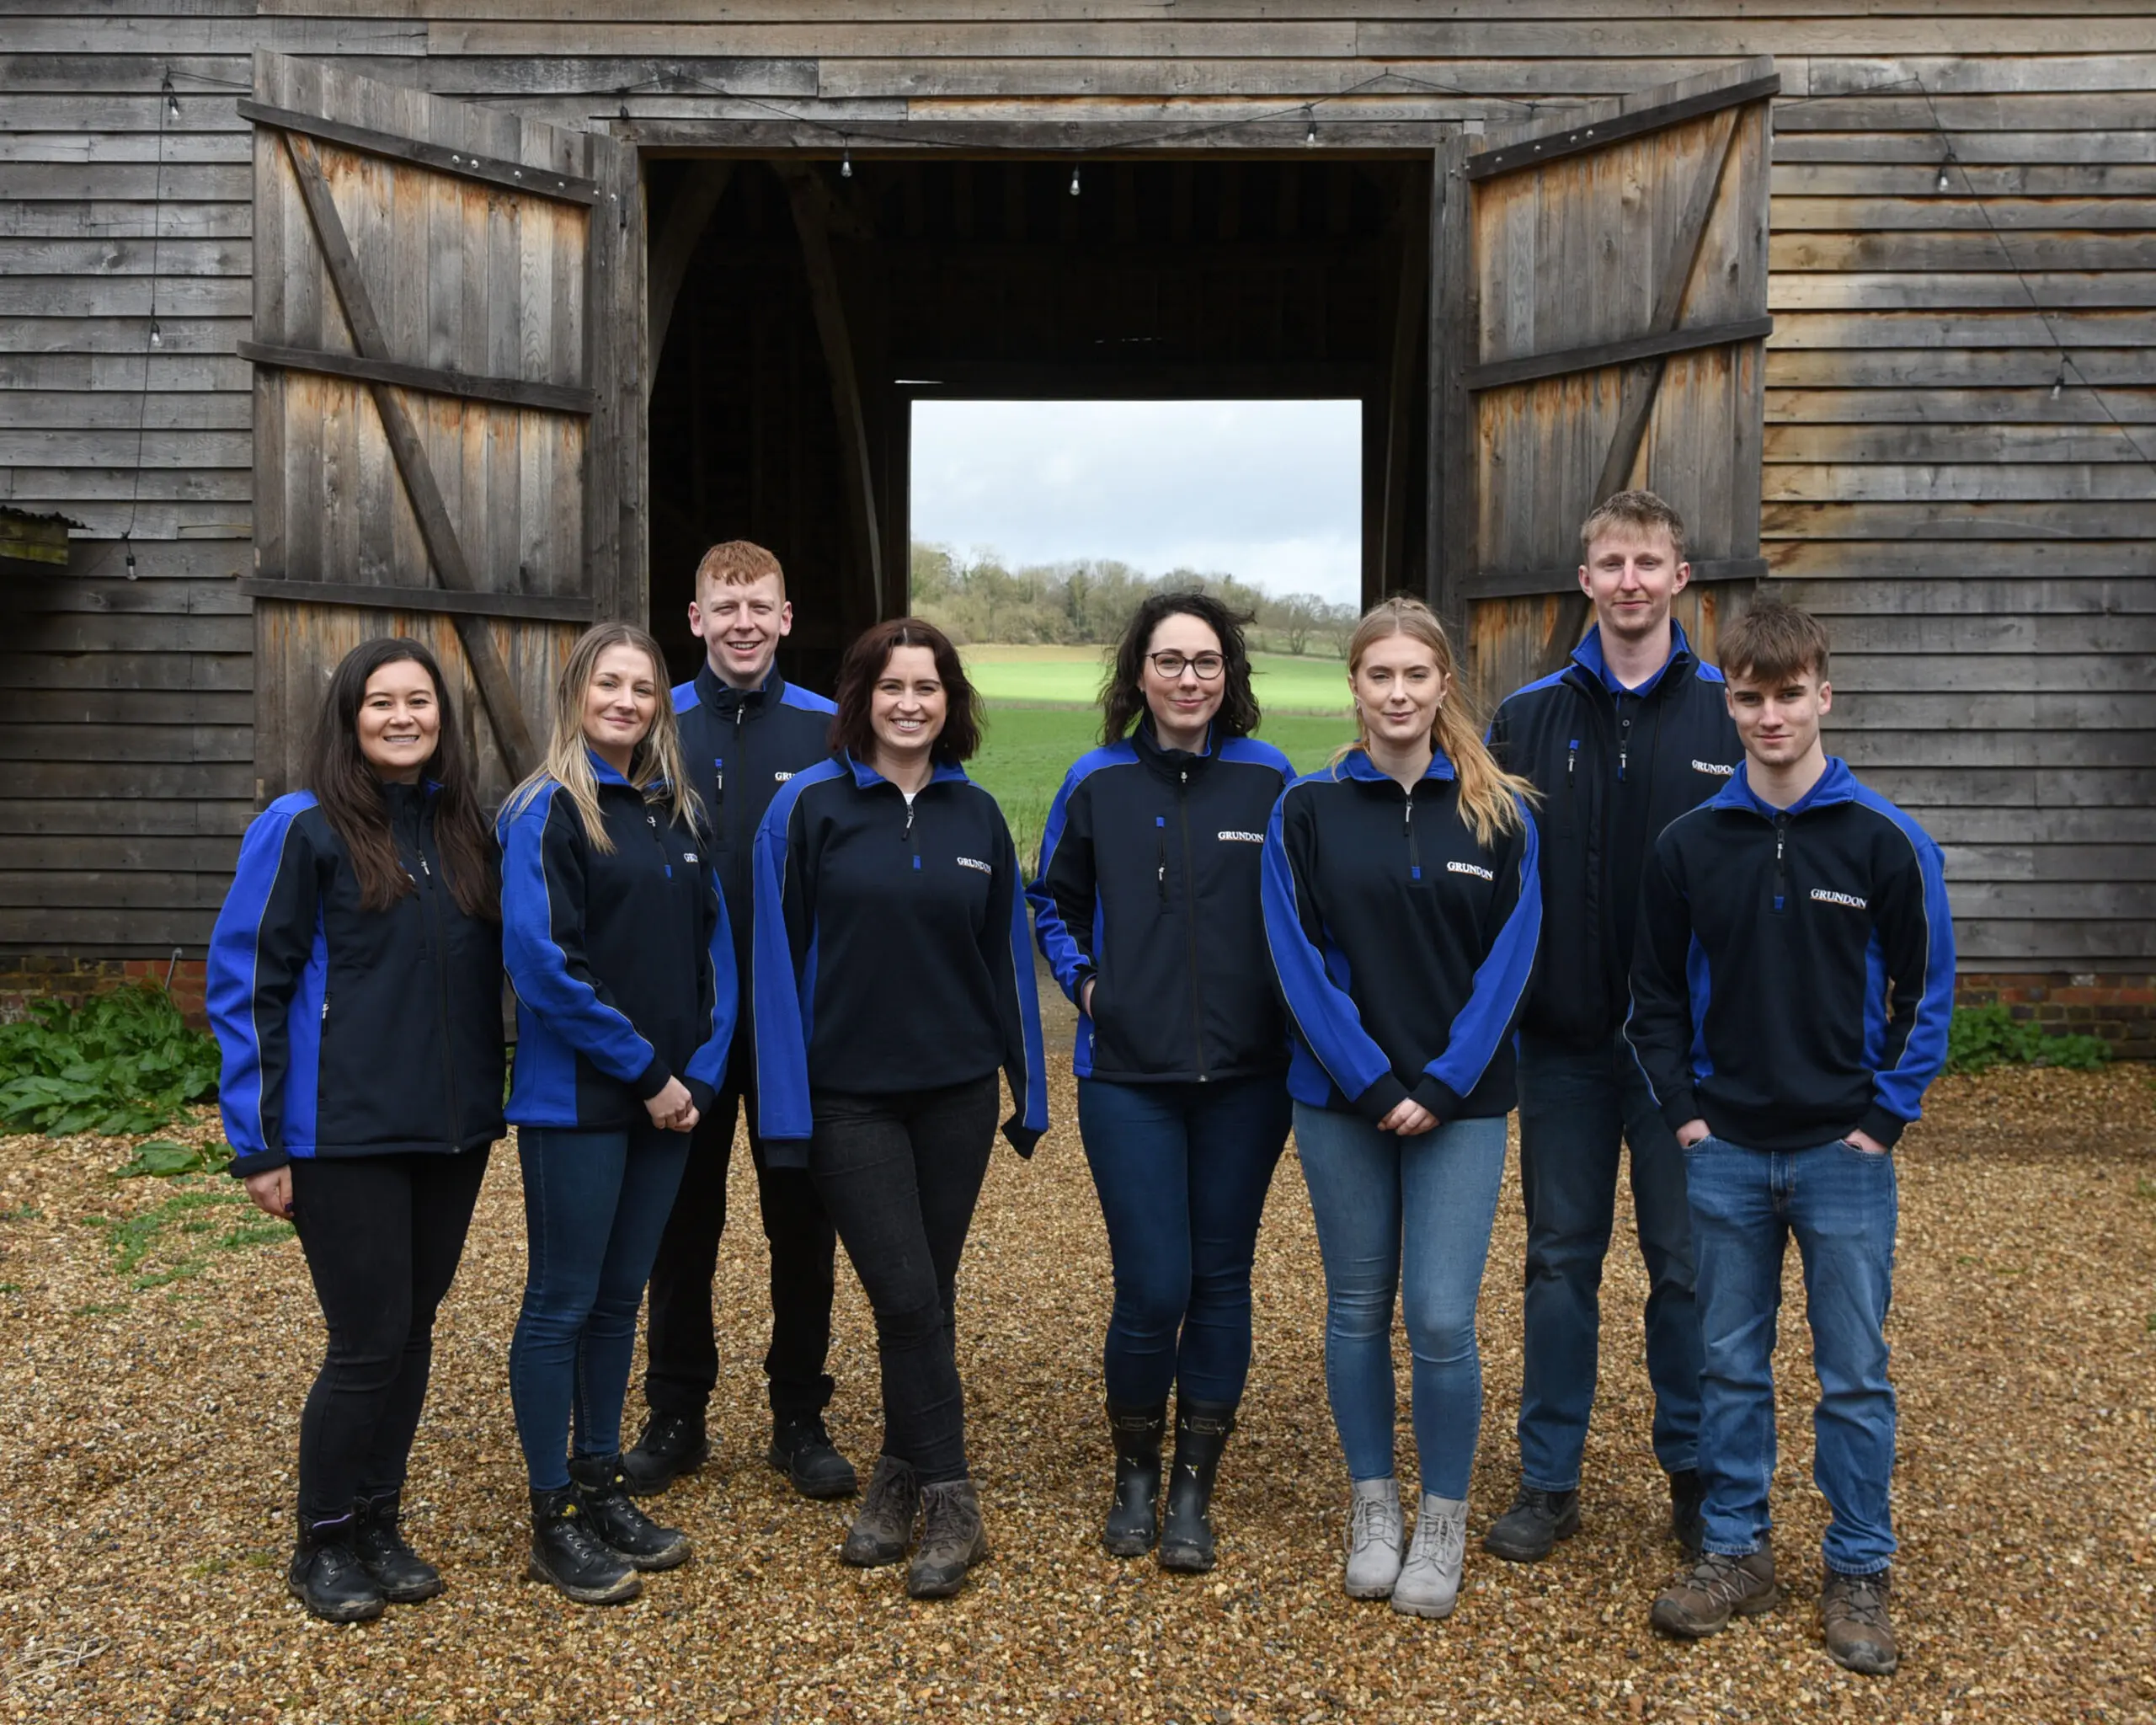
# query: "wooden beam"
{"points": [[675, 244], [541, 182], [444, 550], [1407, 321], [514, 392], [1533, 152], [1449, 545], [863, 541], [544, 607], [1529, 367], [1564, 579]]}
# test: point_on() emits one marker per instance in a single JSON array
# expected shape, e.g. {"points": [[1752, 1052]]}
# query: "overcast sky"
{"points": [[1266, 491]]}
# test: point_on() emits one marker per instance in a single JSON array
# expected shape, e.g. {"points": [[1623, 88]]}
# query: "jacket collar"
{"points": [[605, 775], [865, 775], [1164, 759], [722, 697], [1837, 784], [1588, 655], [1358, 765]]}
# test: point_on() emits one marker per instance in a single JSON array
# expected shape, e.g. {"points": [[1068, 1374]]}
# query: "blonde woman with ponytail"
{"points": [[616, 936], [1403, 906]]}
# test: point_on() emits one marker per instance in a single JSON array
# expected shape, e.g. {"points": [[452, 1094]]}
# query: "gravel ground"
{"points": [[147, 1435]]}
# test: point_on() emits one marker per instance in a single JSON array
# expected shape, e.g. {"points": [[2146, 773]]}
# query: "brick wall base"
{"points": [[2120, 1008], [27, 976]]}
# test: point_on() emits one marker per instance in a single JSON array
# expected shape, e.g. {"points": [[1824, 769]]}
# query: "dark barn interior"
{"points": [[799, 308]]}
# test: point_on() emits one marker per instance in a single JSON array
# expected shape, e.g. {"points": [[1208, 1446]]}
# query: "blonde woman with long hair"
{"points": [[615, 935], [1403, 907]]}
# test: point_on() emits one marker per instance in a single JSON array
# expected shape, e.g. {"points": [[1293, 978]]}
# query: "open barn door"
{"points": [[448, 345], [1601, 316]]}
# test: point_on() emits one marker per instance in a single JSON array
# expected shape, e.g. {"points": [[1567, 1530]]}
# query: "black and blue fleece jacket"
{"points": [[741, 745], [1614, 766], [347, 1032], [1148, 890], [890, 950], [621, 959], [1402, 947], [1795, 971]]}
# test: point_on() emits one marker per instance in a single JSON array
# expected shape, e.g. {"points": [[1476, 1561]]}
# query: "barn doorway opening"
{"points": [[800, 308]]}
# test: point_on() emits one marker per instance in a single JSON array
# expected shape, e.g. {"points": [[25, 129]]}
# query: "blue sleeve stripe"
{"points": [[708, 1063], [776, 991], [1323, 1014], [1923, 1053], [1029, 1087], [1255, 751], [685, 697], [1500, 980], [807, 699], [1059, 946], [232, 997]]}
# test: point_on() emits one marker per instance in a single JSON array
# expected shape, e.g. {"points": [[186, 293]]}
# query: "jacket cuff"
{"points": [[1020, 1136], [257, 1162], [1879, 1123], [701, 1094], [1381, 1098], [1086, 973], [1439, 1097], [1682, 1108], [656, 1077]]}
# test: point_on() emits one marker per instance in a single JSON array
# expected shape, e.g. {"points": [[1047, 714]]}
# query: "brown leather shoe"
{"points": [[1701, 1601], [1859, 1635]]}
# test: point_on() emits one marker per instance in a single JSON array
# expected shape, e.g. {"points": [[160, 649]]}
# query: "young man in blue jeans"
{"points": [[1791, 984]]}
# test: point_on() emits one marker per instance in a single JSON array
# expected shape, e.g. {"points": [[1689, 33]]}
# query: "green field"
{"points": [[1041, 717]]}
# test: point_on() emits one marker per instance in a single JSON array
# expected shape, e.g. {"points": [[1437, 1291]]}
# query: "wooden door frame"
{"points": [[1386, 398]]}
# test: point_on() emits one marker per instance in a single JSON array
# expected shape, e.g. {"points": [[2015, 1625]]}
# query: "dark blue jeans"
{"points": [[1578, 1111], [1183, 1171], [594, 1205], [1841, 1206]]}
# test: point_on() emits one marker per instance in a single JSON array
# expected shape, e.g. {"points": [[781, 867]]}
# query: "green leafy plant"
{"points": [[123, 1061], [161, 1159], [177, 1233], [1981, 1037]]}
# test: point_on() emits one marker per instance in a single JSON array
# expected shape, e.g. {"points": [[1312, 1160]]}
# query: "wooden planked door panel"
{"points": [[448, 316], [1603, 302]]}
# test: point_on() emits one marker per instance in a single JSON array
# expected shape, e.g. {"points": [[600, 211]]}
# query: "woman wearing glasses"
{"points": [[1147, 907]]}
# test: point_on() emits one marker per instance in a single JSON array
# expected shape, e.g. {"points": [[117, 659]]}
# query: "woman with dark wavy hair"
{"points": [[892, 980], [355, 982], [1147, 907]]}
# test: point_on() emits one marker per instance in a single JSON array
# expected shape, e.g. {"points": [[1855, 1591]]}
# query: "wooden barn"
{"points": [[479, 319]]}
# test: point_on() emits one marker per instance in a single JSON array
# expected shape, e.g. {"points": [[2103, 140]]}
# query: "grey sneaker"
{"points": [[1374, 1538], [1429, 1581]]}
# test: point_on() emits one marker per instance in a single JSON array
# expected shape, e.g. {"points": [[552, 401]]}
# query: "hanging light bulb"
{"points": [[2058, 383], [1309, 131], [156, 335], [845, 163], [127, 544], [1074, 179], [172, 101], [1945, 180]]}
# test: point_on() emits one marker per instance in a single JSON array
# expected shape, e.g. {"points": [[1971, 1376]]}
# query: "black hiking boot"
{"points": [[327, 1576], [603, 1490], [404, 1577], [1687, 1500], [567, 1553], [803, 1450], [671, 1445], [1202, 1429], [1529, 1531], [883, 1527], [1134, 1515], [952, 1539]]}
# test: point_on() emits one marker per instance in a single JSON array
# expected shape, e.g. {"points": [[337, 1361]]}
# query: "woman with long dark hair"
{"points": [[1146, 908], [892, 980], [616, 938], [355, 983], [1403, 908]]}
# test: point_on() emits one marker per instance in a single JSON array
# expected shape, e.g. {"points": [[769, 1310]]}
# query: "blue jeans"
{"points": [[1578, 1111], [1182, 1171], [1841, 1205], [1370, 1190], [594, 1205]]}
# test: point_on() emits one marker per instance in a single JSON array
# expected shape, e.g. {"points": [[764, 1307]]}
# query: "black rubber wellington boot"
{"points": [[327, 1577], [1202, 1429], [603, 1490], [567, 1553], [404, 1577], [1134, 1516]]}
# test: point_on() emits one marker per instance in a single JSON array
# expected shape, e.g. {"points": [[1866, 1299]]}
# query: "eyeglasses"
{"points": [[1172, 665]]}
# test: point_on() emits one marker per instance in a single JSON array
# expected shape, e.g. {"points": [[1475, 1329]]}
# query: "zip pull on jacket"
{"points": [[1402, 947], [1795, 974], [889, 950]]}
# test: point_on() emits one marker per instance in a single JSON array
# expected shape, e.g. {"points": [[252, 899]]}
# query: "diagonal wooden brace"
{"points": [[444, 549]]}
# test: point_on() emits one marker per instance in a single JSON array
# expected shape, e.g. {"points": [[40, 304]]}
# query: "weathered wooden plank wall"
{"points": [[1976, 519]]}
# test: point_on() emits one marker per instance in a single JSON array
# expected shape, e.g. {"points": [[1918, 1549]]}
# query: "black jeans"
{"points": [[900, 1176], [382, 1237], [682, 1368]]}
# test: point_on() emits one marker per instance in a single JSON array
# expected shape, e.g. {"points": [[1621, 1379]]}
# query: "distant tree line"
{"points": [[1089, 601]]}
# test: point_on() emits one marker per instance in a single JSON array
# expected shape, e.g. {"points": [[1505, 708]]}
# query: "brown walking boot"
{"points": [[883, 1526], [1701, 1601], [952, 1539], [1859, 1635]]}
